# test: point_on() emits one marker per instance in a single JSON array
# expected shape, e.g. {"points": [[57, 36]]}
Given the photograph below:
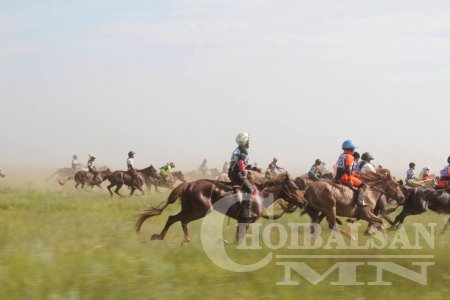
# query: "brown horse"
{"points": [[161, 182], [119, 178], [84, 178], [199, 197], [334, 199]]}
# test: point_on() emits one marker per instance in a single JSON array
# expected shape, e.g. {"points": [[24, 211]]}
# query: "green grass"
{"points": [[81, 245]]}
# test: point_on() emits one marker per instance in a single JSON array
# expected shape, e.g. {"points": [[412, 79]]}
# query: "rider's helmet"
{"points": [[426, 168], [318, 162], [367, 156], [131, 154], [275, 160], [92, 156], [349, 144], [448, 159], [242, 139], [356, 155], [205, 161], [172, 164], [75, 156], [412, 165]]}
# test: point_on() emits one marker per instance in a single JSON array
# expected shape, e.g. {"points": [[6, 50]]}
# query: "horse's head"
{"points": [[392, 187], [290, 190], [180, 176]]}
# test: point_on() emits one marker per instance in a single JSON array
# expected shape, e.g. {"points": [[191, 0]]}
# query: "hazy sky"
{"points": [[177, 80]]}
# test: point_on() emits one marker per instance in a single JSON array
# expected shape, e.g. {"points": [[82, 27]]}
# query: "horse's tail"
{"points": [[51, 176], [174, 195]]}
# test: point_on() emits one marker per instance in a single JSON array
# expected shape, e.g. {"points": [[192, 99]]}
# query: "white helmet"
{"points": [[242, 138], [427, 168], [92, 155]]}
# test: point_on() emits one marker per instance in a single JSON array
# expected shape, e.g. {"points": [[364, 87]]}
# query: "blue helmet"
{"points": [[349, 144]]}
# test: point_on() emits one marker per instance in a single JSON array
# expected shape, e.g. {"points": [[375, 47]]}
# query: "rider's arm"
{"points": [[348, 164]]}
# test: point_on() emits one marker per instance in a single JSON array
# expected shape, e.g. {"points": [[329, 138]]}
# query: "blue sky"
{"points": [[176, 80]]}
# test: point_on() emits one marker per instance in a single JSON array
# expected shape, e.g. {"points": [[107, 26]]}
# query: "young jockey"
{"points": [[345, 174], [92, 167], [445, 176], [131, 170], [238, 175], [165, 170], [315, 173], [364, 165]]}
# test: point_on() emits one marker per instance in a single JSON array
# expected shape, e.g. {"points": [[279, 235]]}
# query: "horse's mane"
{"points": [[146, 169], [374, 176], [274, 181]]}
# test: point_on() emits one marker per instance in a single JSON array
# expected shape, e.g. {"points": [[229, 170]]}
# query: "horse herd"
{"points": [[318, 199], [148, 176]]}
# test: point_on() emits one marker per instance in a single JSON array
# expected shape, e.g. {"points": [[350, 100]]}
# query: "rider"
{"points": [[274, 167], [411, 173], [444, 179], [426, 173], [268, 174], [75, 163], [92, 167], [225, 167], [203, 169], [131, 170], [345, 173], [238, 175], [364, 165], [165, 170], [315, 173]]}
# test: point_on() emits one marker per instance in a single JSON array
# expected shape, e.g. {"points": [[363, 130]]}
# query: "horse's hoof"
{"points": [[155, 237], [368, 233], [185, 243]]}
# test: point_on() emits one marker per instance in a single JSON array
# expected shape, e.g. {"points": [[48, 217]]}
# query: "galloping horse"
{"points": [[199, 197], [334, 199], [85, 178], [161, 182], [119, 178], [418, 200]]}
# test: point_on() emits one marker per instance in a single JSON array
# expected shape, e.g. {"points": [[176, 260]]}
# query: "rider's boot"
{"points": [[247, 214], [360, 198]]}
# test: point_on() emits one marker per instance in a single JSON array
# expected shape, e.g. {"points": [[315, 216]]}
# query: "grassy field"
{"points": [[67, 244]]}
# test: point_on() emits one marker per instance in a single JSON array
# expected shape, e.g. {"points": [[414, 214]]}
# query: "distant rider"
{"points": [[411, 173], [274, 167], [75, 163], [315, 173], [165, 171], [426, 173], [203, 169], [92, 166], [131, 170], [444, 179]]}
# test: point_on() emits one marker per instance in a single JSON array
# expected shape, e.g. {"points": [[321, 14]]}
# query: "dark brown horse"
{"points": [[199, 197], [84, 178], [419, 200], [334, 199], [119, 178], [159, 181]]}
